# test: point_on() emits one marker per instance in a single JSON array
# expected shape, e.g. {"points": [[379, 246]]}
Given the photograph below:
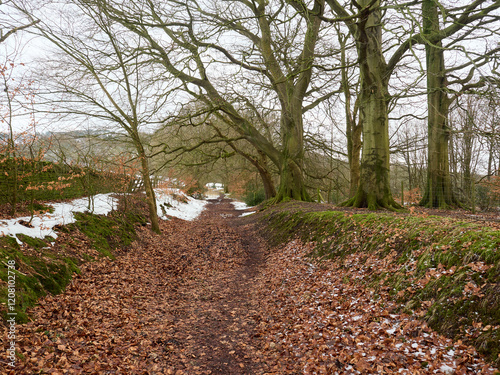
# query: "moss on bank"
{"points": [[446, 269], [43, 267]]}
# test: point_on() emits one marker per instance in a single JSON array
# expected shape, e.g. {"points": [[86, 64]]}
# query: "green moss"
{"points": [[34, 276], [108, 232], [49, 271], [54, 276], [35, 243]]}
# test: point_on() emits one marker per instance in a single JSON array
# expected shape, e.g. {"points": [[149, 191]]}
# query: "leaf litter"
{"points": [[209, 297], [323, 320]]}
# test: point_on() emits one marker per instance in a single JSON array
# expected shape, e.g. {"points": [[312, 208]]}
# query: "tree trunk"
{"points": [[14, 176], [291, 88], [468, 143], [269, 189], [353, 128], [373, 190], [438, 192], [354, 144], [265, 176], [148, 186], [291, 184]]}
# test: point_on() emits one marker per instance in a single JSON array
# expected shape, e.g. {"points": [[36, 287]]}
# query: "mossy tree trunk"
{"points": [[373, 190], [291, 185], [365, 25], [265, 176], [267, 181], [353, 126], [291, 89], [354, 145], [468, 149], [438, 190]]}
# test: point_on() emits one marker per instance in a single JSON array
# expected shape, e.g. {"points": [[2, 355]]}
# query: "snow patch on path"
{"points": [[242, 206], [239, 205]]}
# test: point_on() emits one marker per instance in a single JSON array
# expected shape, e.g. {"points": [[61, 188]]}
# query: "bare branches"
{"points": [[4, 35]]}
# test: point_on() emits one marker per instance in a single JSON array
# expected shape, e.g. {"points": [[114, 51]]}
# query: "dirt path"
{"points": [[215, 328], [179, 303]]}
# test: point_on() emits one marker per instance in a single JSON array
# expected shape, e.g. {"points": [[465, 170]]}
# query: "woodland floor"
{"points": [[209, 297]]}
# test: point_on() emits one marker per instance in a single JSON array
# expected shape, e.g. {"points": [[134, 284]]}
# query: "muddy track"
{"points": [[220, 323], [207, 297]]}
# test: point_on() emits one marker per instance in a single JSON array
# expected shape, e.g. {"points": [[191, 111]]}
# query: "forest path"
{"points": [[208, 297], [176, 303]]}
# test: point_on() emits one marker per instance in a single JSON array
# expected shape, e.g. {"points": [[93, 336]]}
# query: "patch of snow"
{"points": [[215, 185], [239, 205], [167, 205], [420, 353], [391, 331], [247, 213], [447, 369], [42, 225]]}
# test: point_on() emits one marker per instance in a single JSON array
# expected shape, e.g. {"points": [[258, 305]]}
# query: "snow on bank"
{"points": [[169, 205], [42, 225]]}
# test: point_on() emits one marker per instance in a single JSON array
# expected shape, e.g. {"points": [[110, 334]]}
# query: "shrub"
{"points": [[254, 197]]}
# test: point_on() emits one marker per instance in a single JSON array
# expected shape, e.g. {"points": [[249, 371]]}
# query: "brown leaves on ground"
{"points": [[322, 320], [173, 304], [202, 299]]}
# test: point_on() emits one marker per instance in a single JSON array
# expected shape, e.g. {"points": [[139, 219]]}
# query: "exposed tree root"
{"points": [[372, 202]]}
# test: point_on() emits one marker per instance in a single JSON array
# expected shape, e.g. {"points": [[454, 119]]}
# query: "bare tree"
{"points": [[275, 42], [101, 74], [9, 23], [365, 21], [467, 19]]}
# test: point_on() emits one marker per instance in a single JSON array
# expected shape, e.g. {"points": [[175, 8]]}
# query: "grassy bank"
{"points": [[447, 271], [47, 266]]}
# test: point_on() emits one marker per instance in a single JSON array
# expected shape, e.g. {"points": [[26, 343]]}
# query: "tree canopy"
{"points": [[264, 80]]}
